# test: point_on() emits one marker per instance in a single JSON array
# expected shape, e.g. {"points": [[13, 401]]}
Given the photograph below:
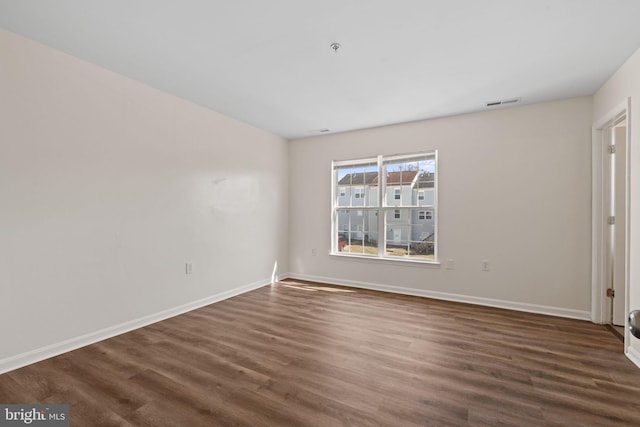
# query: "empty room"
{"points": [[302, 213]]}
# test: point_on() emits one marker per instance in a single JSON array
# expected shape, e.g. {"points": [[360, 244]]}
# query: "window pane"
{"points": [[426, 196], [398, 230], [410, 181], [354, 184], [398, 192], [357, 231], [411, 235], [404, 183]]}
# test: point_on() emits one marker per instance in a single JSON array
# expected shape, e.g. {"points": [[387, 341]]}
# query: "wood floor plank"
{"points": [[12, 392], [309, 354]]}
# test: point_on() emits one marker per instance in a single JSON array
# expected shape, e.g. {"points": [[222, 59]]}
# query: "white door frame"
{"points": [[599, 217]]}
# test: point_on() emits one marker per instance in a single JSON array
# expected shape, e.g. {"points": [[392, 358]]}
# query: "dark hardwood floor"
{"points": [[304, 354]]}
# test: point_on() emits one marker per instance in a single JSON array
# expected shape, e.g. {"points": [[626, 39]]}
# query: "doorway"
{"points": [[610, 220], [397, 235]]}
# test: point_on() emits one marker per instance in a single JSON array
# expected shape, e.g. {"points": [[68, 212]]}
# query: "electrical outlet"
{"points": [[188, 268], [449, 264], [313, 252], [485, 265]]}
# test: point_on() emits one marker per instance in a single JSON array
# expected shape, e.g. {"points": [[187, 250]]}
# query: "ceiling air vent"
{"points": [[317, 131], [502, 102]]}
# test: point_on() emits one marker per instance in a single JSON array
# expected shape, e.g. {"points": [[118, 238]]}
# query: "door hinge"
{"points": [[611, 293], [611, 220], [611, 149]]}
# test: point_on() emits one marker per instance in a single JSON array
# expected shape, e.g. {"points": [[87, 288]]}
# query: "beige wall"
{"points": [[107, 188], [625, 83], [514, 189]]}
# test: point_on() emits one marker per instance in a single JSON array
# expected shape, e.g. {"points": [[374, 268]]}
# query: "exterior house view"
{"points": [[409, 228], [422, 220], [357, 190]]}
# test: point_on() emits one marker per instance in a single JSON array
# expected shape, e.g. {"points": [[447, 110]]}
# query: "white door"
{"points": [[397, 235], [616, 208], [619, 229]]}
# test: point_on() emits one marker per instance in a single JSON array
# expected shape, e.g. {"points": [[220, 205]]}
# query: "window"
{"points": [[385, 217], [425, 215]]}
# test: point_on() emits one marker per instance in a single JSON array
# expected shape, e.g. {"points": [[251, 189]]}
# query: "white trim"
{"points": [[633, 355], [382, 208], [382, 217], [14, 362], [627, 225], [408, 261], [613, 113], [436, 212], [490, 302], [598, 300], [369, 161], [390, 158], [598, 308]]}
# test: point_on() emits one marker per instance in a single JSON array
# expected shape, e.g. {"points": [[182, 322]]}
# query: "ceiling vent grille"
{"points": [[317, 131], [502, 102]]}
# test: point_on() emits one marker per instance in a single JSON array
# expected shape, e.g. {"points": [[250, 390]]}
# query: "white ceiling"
{"points": [[269, 63]]}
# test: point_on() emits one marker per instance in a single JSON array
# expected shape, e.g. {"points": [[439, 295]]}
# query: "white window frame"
{"points": [[382, 208]]}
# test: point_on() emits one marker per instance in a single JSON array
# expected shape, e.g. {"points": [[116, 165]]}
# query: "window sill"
{"points": [[408, 262]]}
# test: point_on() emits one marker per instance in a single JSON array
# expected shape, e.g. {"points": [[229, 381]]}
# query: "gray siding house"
{"points": [[355, 189], [403, 226]]}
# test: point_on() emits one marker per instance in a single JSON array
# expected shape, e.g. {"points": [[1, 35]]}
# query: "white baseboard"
{"points": [[510, 305], [633, 355], [42, 353]]}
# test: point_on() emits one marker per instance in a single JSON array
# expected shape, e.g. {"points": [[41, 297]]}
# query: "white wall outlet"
{"points": [[485, 265], [449, 264], [314, 252], [188, 268]]}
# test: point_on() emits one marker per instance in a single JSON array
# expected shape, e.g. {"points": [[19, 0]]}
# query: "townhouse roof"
{"points": [[398, 178], [423, 180], [360, 178]]}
